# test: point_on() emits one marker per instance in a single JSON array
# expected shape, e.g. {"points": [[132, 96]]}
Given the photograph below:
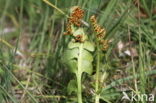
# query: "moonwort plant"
{"points": [[101, 45], [78, 56]]}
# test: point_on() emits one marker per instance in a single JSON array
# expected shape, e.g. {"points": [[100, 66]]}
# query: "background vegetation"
{"points": [[32, 45]]}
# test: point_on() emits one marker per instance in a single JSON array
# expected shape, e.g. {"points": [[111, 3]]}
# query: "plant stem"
{"points": [[97, 99], [97, 75], [79, 74], [79, 92]]}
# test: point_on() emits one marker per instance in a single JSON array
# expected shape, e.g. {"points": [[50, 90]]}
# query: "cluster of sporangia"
{"points": [[75, 19], [100, 33]]}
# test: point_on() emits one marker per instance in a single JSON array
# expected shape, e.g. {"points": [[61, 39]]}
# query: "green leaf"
{"points": [[70, 54], [72, 45], [87, 67], [72, 64], [70, 59], [89, 46], [87, 55], [72, 87]]}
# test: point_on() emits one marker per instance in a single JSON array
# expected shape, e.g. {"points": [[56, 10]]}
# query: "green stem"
{"points": [[79, 74], [97, 99], [97, 75], [79, 92]]}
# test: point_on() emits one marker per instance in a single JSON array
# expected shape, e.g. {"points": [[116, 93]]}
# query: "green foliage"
{"points": [[72, 87], [72, 54]]}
